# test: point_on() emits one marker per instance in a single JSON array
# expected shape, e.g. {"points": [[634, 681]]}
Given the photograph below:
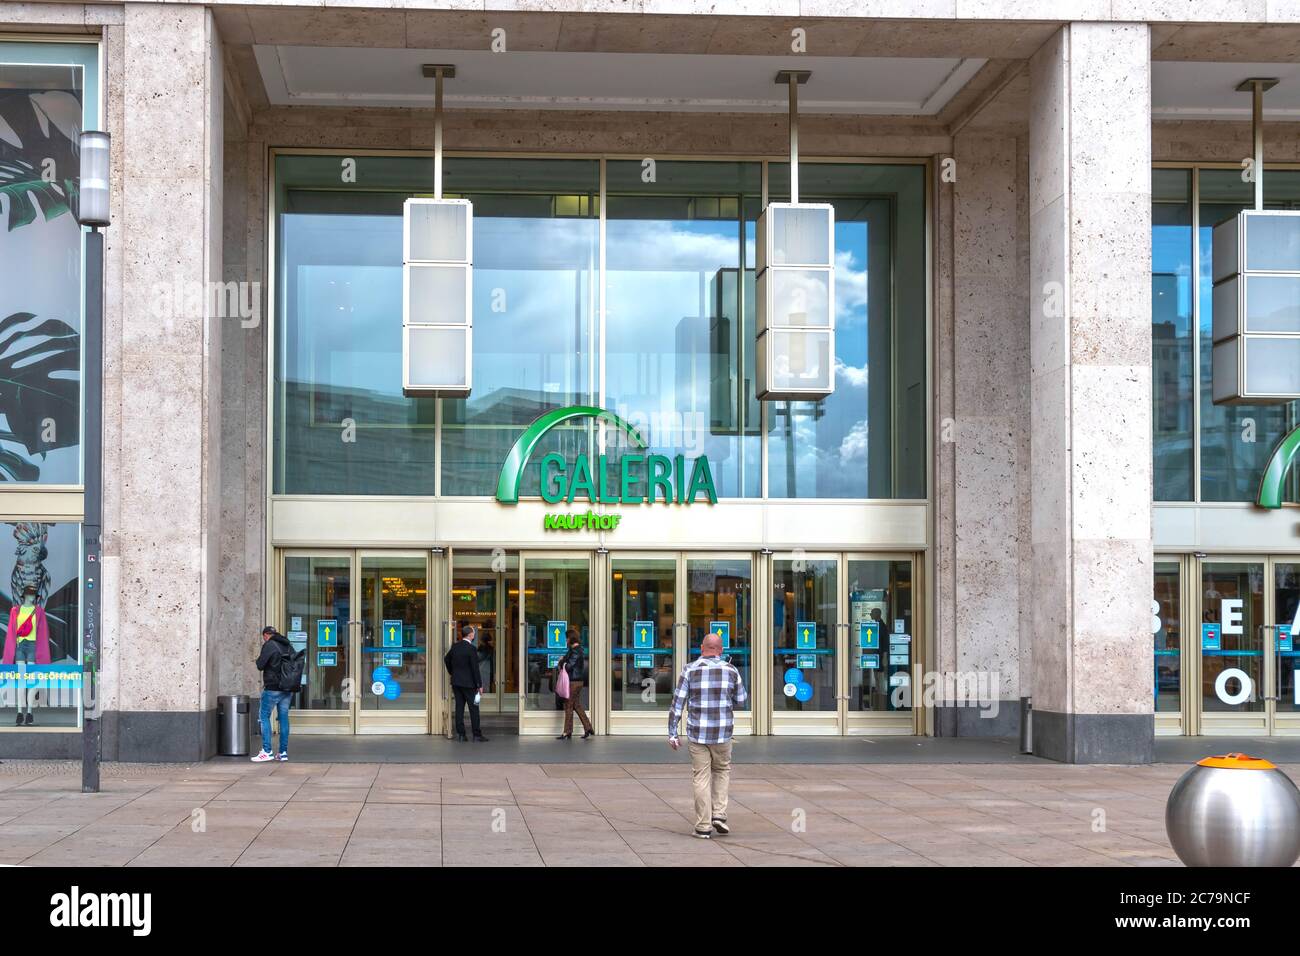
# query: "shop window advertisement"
{"points": [[40, 586]]}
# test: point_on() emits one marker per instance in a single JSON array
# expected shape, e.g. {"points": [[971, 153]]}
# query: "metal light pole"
{"points": [[92, 211]]}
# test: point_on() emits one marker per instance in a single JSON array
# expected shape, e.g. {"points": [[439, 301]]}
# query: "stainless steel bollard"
{"points": [[1026, 725], [1234, 810]]}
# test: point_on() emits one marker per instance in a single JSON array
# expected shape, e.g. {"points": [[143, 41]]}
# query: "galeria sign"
{"points": [[629, 479]]}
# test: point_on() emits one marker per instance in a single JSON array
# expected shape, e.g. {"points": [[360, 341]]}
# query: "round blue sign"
{"points": [[381, 675], [793, 676], [393, 691], [804, 691]]}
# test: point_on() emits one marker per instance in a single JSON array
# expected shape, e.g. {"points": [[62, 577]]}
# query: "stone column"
{"points": [[1090, 393], [162, 412], [989, 437]]}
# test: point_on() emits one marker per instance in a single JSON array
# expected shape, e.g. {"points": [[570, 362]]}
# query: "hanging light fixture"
{"points": [[1256, 297], [437, 279], [795, 285]]}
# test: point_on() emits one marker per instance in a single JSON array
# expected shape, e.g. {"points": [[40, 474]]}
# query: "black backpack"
{"points": [[291, 667]]}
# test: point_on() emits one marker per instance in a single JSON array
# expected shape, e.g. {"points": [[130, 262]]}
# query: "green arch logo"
{"points": [[1275, 472], [512, 469]]}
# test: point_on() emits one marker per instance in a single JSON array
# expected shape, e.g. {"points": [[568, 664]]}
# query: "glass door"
{"points": [[363, 619], [391, 639], [1284, 691], [805, 644], [555, 604], [1231, 643], [720, 600], [1167, 636], [485, 593], [316, 616], [883, 643], [645, 656]]}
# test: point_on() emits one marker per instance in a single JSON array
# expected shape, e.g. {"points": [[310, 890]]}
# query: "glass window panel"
{"points": [[680, 335], [1236, 440], [1171, 334], [1168, 638], [394, 635], [40, 609], [641, 666], [867, 439], [317, 590], [536, 273], [803, 658], [1232, 596], [880, 591], [721, 590], [48, 94]]}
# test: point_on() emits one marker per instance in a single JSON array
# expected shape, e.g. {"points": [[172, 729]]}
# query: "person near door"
{"points": [[710, 688], [466, 684], [275, 647], [575, 664]]}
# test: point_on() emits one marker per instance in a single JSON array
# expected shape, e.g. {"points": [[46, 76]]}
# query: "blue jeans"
{"points": [[279, 700]]}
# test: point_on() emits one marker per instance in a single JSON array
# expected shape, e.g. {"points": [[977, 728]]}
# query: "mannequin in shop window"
{"points": [[27, 644]]}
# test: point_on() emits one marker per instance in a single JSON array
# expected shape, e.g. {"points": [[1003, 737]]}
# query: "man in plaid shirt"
{"points": [[709, 688]]}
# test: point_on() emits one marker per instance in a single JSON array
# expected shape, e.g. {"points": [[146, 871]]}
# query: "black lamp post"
{"points": [[92, 211]]}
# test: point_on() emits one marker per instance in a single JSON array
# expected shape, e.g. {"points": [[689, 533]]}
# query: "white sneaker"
{"points": [[262, 757], [283, 758]]}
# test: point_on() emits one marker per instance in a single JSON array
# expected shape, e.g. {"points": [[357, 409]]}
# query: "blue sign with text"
{"points": [[1211, 637], [643, 634], [869, 635], [722, 629], [805, 635], [392, 634], [556, 631], [327, 633]]}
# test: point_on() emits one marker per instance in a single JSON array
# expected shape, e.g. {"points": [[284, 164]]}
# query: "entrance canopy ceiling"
{"points": [[360, 76]]}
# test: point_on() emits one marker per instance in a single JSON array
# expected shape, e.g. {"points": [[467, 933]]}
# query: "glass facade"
{"points": [[1234, 441], [672, 350], [49, 93]]}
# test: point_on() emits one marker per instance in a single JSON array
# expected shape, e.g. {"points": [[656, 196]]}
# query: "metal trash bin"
{"points": [[234, 723]]}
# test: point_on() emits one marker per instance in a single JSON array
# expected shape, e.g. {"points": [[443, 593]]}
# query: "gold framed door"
{"points": [[555, 600], [391, 640], [1231, 678], [717, 596], [646, 647], [334, 603], [807, 646], [882, 645]]}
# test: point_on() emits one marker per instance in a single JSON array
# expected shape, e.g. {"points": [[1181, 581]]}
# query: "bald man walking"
{"points": [[709, 688]]}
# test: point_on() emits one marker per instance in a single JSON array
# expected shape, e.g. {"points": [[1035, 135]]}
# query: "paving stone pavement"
{"points": [[353, 814]]}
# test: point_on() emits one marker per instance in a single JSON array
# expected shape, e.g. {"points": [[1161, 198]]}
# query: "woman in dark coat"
{"points": [[575, 663]]}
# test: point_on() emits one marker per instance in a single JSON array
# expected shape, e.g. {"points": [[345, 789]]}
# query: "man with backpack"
{"points": [[281, 668]]}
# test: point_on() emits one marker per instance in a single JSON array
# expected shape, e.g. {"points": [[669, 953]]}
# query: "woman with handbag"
{"points": [[570, 679]]}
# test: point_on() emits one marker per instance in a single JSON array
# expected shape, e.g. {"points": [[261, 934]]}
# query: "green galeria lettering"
{"points": [[638, 478], [660, 471], [629, 495]]}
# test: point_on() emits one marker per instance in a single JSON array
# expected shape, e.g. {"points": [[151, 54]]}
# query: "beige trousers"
{"points": [[710, 776]]}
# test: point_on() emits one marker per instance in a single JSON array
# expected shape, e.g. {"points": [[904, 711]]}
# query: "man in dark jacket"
{"points": [[275, 647], [466, 682]]}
